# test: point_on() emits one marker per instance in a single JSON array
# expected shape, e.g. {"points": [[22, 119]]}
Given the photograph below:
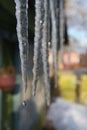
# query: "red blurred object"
{"points": [[7, 81], [71, 60]]}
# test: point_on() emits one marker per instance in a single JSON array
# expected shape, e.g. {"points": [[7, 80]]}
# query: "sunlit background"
{"points": [[72, 63]]}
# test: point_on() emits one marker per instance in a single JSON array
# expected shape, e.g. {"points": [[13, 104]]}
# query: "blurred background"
{"points": [[72, 69]]}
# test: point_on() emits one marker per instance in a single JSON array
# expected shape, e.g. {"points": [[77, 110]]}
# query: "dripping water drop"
{"points": [[41, 22], [49, 43], [24, 103]]}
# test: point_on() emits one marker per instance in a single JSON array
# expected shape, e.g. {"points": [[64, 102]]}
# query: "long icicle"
{"points": [[37, 44], [58, 37], [61, 28], [57, 21], [45, 53], [22, 33], [54, 40]]}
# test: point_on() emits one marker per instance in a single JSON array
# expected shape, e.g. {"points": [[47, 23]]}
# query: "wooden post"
{"points": [[78, 89]]}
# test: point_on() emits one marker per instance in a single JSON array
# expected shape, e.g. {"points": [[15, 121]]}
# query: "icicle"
{"points": [[61, 28], [45, 53], [49, 25], [22, 32], [57, 19], [37, 44], [54, 39]]}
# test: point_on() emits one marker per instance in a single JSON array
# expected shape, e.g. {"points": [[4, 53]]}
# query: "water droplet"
{"points": [[49, 43], [41, 22], [24, 103]]}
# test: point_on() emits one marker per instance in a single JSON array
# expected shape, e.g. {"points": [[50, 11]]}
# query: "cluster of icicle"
{"points": [[46, 30], [41, 40]]}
